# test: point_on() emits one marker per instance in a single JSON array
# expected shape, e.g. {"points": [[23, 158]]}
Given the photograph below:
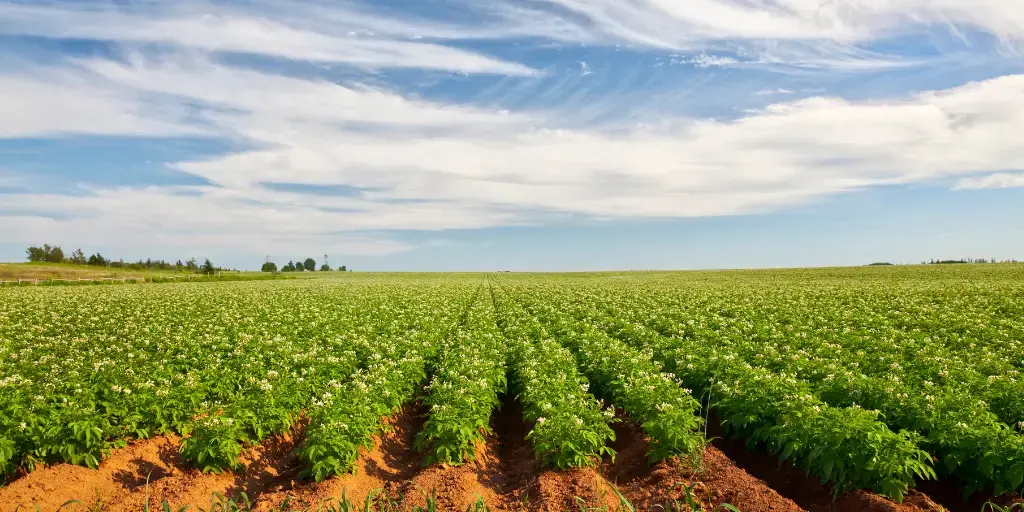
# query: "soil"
{"points": [[504, 476], [507, 477], [713, 481], [384, 470], [806, 491], [947, 492]]}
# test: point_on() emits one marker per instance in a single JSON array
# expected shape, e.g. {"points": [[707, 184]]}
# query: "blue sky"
{"points": [[514, 134]]}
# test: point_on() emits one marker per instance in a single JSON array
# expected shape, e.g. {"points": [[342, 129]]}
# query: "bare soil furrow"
{"points": [[388, 467], [806, 491], [713, 481]]}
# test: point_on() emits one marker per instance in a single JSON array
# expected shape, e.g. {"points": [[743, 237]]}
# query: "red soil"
{"points": [[806, 491], [504, 475], [385, 468], [507, 477], [714, 481], [120, 475]]}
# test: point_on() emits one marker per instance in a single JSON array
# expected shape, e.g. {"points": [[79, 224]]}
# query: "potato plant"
{"points": [[630, 380], [467, 380], [87, 369], [569, 427], [345, 417], [930, 393], [873, 378], [848, 448]]}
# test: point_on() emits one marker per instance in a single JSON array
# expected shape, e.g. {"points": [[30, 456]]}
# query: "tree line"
{"points": [[967, 260], [307, 265], [54, 254]]}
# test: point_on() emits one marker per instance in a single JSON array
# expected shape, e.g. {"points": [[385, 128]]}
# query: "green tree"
{"points": [[342, 269], [47, 253], [36, 254], [309, 264], [290, 267], [325, 268], [56, 255], [269, 266], [78, 257], [208, 267]]}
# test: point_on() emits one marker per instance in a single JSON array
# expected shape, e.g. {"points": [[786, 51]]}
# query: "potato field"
{"points": [[876, 388]]}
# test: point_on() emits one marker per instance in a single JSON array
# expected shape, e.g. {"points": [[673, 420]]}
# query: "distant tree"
{"points": [[269, 266], [56, 255], [342, 269], [208, 267], [97, 260], [290, 267], [191, 265], [36, 254], [78, 257], [309, 264], [325, 268]]}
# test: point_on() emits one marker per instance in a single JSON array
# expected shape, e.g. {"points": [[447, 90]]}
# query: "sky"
{"points": [[514, 134]]}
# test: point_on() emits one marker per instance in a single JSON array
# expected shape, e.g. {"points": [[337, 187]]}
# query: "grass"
{"points": [[64, 274], [41, 271]]}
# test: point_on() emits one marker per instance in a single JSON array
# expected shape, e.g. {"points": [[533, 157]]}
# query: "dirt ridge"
{"points": [[505, 475]]}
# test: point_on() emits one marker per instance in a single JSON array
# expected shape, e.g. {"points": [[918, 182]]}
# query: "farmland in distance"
{"points": [[875, 388]]}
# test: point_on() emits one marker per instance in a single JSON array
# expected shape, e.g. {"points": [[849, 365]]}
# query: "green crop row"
{"points": [[569, 428], [968, 439], [225, 365], [629, 379], [865, 378], [345, 418], [848, 448], [468, 378]]}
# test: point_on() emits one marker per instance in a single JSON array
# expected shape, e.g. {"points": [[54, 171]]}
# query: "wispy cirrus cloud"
{"points": [[658, 21], [999, 180], [823, 35], [453, 163], [773, 92], [226, 28], [48, 102]]}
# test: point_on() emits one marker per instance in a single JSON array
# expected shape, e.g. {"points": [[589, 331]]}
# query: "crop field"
{"points": [[876, 388]]}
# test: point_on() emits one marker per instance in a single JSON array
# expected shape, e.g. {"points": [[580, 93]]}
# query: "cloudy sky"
{"points": [[518, 134]]}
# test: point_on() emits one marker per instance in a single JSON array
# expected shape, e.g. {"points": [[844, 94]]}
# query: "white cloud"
{"points": [[159, 98], [223, 29], [431, 165], [133, 241], [811, 34], [435, 166], [706, 61], [1000, 180], [52, 103], [286, 97], [773, 92], [787, 153], [807, 34], [671, 23], [206, 220]]}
